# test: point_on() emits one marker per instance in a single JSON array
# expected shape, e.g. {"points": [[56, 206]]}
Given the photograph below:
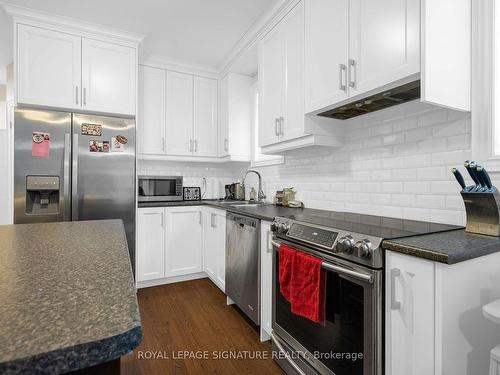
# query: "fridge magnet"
{"points": [[40, 145], [118, 143], [91, 129], [98, 146]]}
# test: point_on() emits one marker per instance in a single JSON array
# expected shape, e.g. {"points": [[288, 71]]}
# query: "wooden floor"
{"points": [[193, 317]]}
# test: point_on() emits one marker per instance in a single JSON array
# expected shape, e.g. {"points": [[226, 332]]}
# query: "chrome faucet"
{"points": [[261, 195]]}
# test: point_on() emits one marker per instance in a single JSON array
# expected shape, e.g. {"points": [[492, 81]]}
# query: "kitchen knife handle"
{"points": [[472, 173], [473, 167], [459, 177], [485, 176]]}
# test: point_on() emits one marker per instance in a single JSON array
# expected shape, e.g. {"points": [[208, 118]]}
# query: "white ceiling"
{"points": [[197, 32]]}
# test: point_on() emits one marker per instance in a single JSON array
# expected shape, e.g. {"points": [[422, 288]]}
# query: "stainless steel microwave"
{"points": [[160, 188]]}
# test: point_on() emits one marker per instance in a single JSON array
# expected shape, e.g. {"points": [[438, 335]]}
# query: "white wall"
{"points": [[392, 164]]}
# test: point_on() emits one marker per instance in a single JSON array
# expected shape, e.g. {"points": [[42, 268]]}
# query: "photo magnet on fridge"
{"points": [[91, 129], [118, 143], [40, 145], [98, 146]]}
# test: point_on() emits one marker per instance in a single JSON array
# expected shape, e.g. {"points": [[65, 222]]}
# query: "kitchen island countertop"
{"points": [[67, 296]]}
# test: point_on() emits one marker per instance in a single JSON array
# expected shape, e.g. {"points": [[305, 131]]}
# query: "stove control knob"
{"points": [[283, 228], [274, 227], [345, 245], [363, 249]]}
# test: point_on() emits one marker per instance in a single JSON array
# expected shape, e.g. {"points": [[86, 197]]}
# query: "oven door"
{"points": [[349, 342], [160, 188]]}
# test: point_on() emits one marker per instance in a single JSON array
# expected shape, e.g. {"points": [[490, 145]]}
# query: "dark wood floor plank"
{"points": [[193, 316]]}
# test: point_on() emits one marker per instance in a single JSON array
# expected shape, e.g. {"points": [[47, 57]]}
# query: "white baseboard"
{"points": [[170, 280]]}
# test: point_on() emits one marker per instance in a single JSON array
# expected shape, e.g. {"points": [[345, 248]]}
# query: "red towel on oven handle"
{"points": [[308, 284], [286, 261]]}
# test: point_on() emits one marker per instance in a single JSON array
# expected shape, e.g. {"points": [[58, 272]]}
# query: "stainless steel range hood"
{"points": [[385, 99]]}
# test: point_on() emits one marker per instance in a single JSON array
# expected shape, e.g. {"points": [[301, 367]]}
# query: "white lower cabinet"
{"points": [[433, 317], [184, 241], [266, 280], [180, 243], [150, 243], [409, 315], [214, 245]]}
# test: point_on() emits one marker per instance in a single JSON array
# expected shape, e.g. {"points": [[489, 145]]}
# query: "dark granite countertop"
{"points": [[452, 246], [446, 247], [67, 296], [262, 211]]}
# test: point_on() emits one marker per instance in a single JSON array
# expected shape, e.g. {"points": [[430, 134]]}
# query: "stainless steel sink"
{"points": [[241, 203]]}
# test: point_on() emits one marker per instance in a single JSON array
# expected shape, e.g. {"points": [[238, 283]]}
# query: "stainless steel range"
{"points": [[350, 340]]}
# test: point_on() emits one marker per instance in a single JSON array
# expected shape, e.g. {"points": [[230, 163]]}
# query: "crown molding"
{"points": [[255, 33], [178, 66], [68, 24]]}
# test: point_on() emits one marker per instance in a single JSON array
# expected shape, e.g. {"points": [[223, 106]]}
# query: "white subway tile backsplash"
{"points": [[418, 134], [391, 164], [433, 118]]}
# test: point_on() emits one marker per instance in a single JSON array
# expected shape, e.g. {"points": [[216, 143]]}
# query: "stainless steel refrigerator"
{"points": [[72, 166]]}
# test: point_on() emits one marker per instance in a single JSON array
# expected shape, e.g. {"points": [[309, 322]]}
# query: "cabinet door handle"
{"points": [[342, 77], [276, 126], [84, 96], [352, 73], [199, 217], [395, 305], [213, 221], [269, 242], [195, 145], [163, 143], [162, 220], [76, 94], [226, 144], [282, 126]]}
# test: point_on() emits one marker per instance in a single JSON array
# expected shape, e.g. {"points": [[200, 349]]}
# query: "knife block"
{"points": [[483, 212]]}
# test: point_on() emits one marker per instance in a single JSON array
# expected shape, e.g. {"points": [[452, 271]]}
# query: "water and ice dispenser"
{"points": [[42, 195]]}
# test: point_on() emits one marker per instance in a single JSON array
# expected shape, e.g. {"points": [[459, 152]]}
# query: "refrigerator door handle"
{"points": [[67, 177], [74, 182]]}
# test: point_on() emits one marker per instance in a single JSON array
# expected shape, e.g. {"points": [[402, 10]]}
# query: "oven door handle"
{"points": [[287, 356], [341, 270]]}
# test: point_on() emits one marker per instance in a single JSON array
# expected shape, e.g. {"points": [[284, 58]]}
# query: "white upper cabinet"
{"points": [[179, 132], [48, 68], [69, 71], [108, 77], [152, 102], [272, 85], [356, 48], [384, 42], [184, 241], [292, 123], [205, 133], [446, 48], [326, 33], [235, 117], [178, 115]]}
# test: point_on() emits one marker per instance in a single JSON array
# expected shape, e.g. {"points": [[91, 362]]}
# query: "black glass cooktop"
{"points": [[378, 226]]}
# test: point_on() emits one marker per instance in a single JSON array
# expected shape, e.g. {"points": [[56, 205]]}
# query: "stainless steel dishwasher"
{"points": [[242, 263]]}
